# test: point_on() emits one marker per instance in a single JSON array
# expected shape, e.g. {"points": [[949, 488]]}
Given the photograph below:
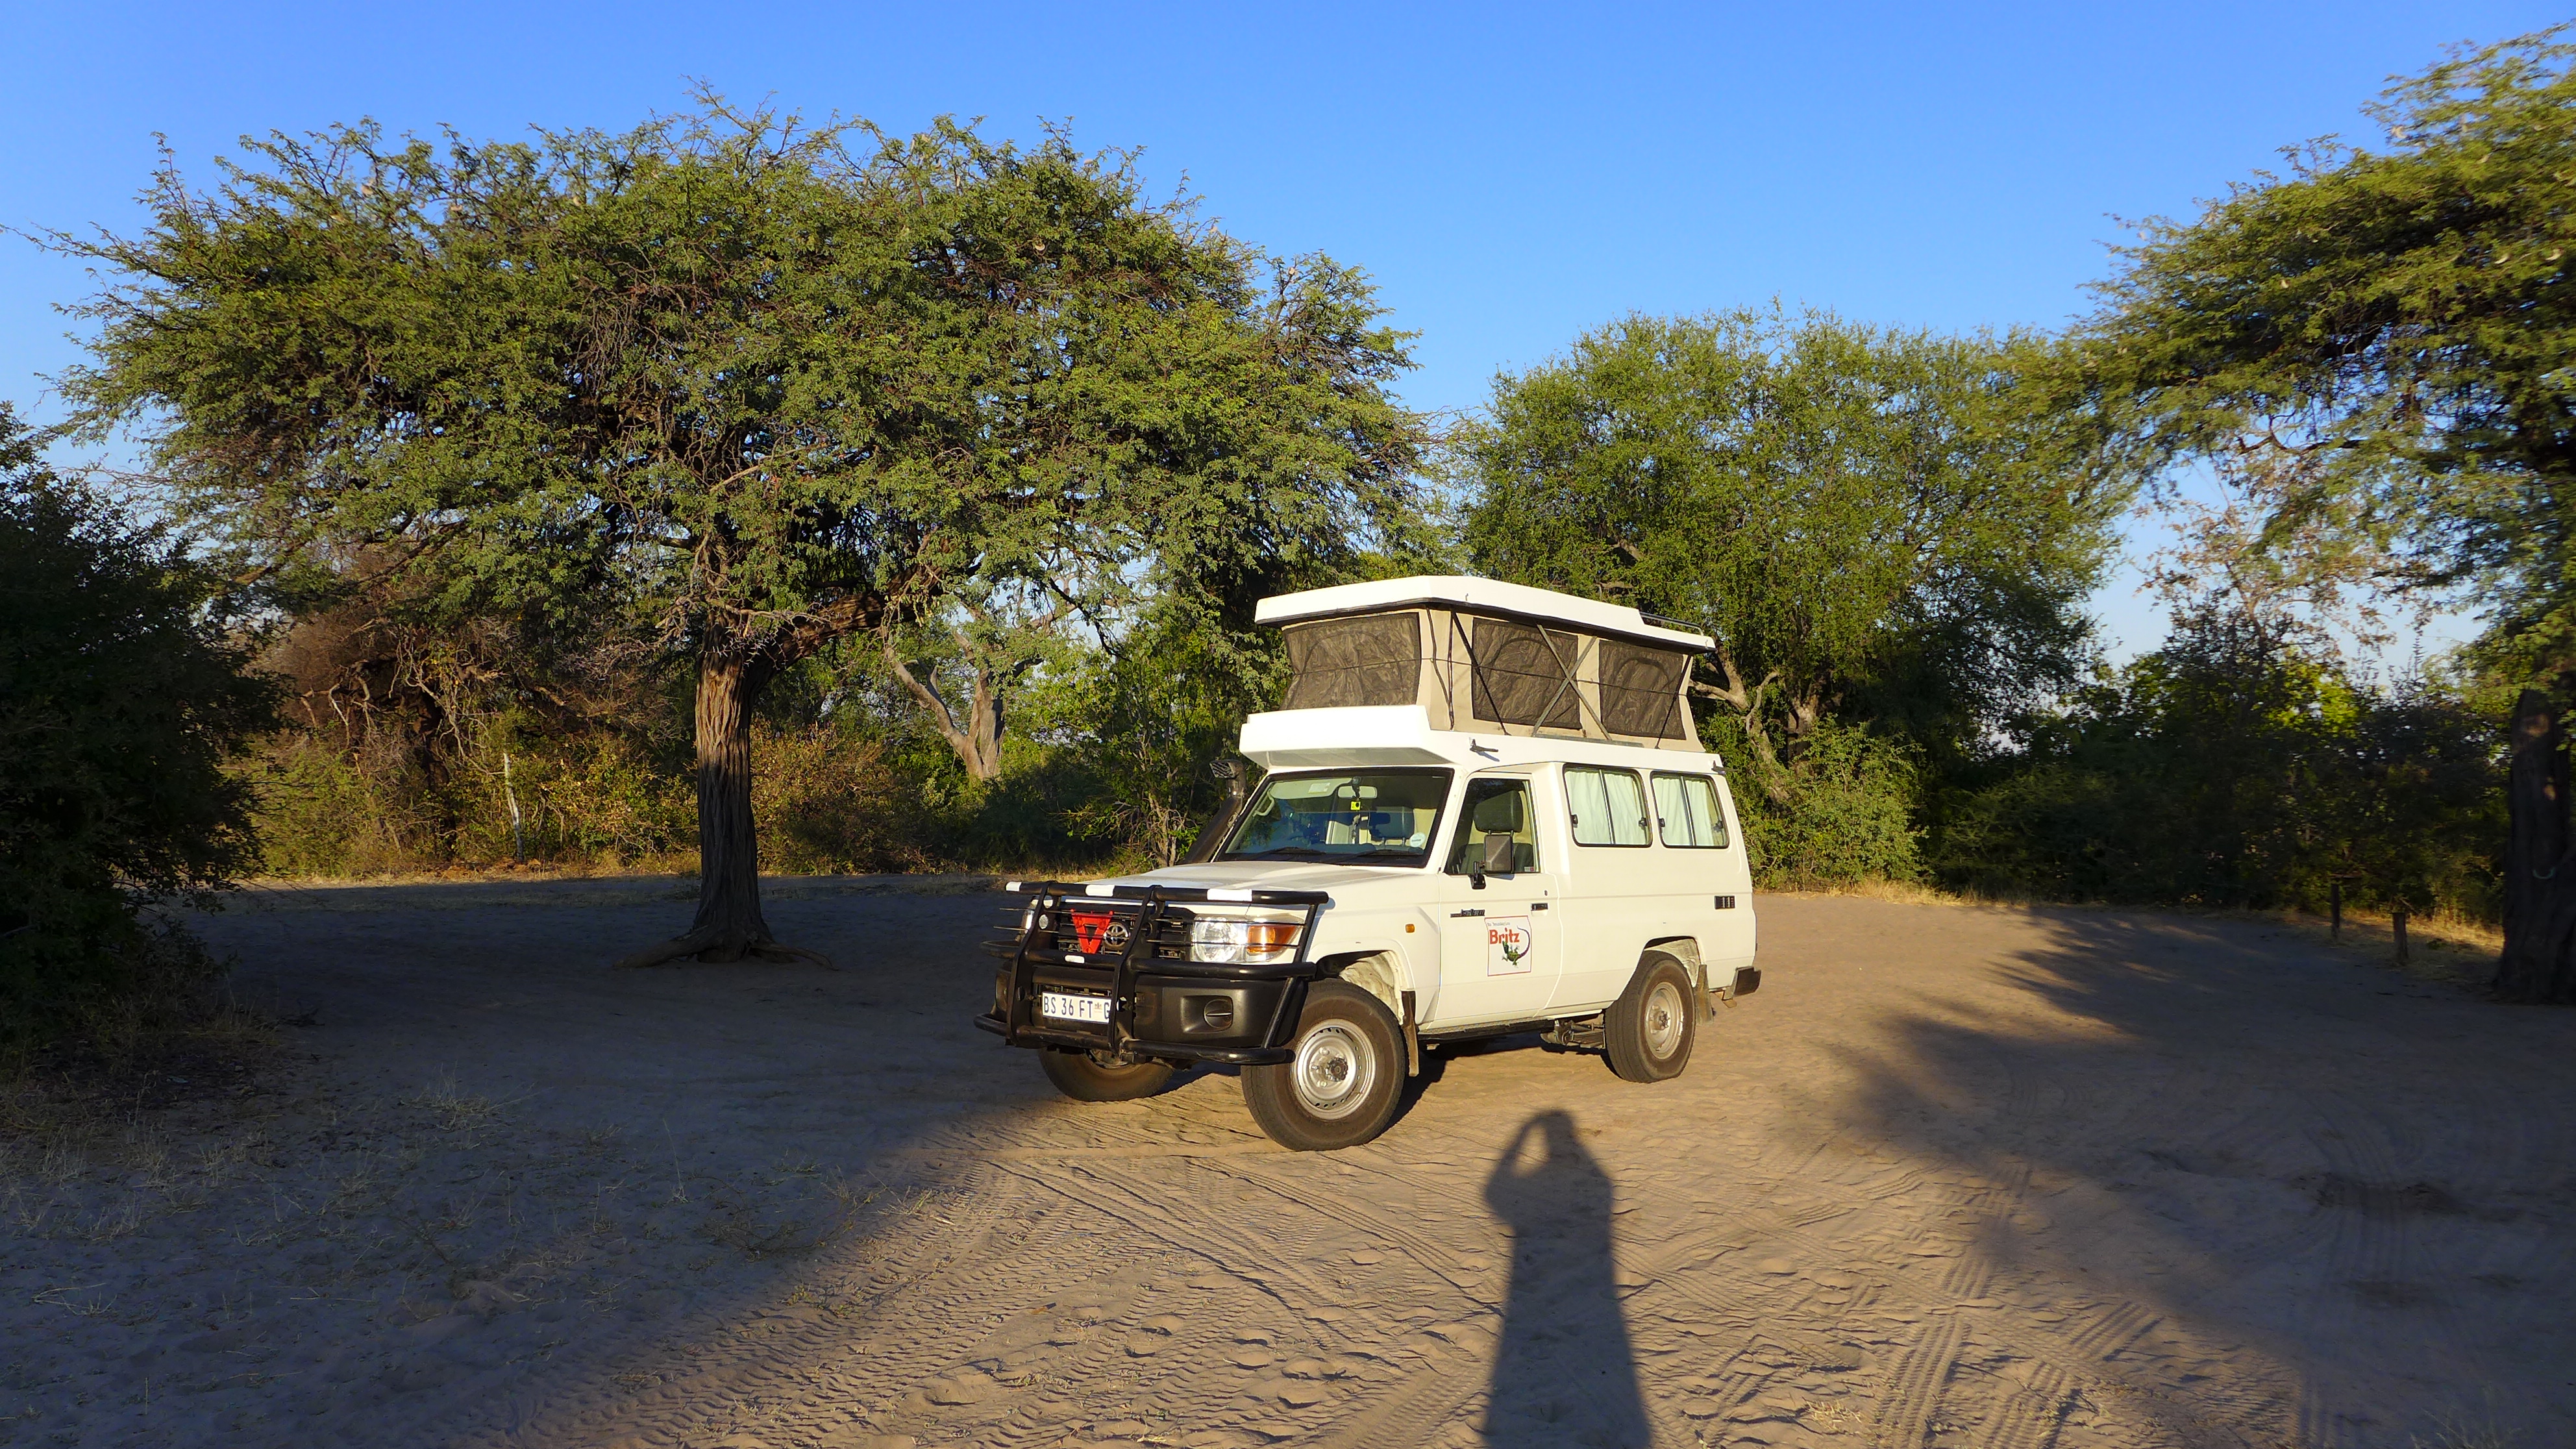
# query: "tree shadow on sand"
{"points": [[2304, 1198], [1564, 1373]]}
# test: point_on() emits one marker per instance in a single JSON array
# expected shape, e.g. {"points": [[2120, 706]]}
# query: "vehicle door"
{"points": [[1730, 941], [1501, 948], [1712, 892], [1616, 894]]}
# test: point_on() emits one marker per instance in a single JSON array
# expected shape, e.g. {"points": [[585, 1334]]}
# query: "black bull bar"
{"points": [[1162, 1004]]}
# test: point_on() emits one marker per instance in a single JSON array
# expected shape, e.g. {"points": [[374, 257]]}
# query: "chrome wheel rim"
{"points": [[1664, 1020], [1334, 1070]]}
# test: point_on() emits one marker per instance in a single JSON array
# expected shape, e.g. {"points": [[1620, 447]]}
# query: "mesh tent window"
{"points": [[1641, 690], [1519, 677], [1372, 659]]}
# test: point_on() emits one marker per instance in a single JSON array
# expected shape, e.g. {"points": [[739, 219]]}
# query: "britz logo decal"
{"points": [[1508, 944]]}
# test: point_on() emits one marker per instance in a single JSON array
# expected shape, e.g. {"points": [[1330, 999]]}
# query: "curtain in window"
{"points": [[1609, 806], [1687, 805]]}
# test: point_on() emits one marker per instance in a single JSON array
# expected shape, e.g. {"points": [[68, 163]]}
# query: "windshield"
{"points": [[1373, 817]]}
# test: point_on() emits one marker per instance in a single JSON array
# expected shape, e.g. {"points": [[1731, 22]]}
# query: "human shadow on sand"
{"points": [[1563, 1373]]}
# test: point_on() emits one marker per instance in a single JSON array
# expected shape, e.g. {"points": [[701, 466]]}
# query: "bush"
{"points": [[319, 813], [829, 805], [1838, 810], [2226, 771], [121, 696]]}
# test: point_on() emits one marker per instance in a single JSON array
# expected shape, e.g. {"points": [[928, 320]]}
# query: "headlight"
{"points": [[1248, 940]]}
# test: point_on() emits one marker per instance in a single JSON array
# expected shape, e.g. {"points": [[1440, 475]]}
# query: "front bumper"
{"points": [[1162, 1005]]}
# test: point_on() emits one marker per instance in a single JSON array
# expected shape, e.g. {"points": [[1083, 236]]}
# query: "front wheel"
{"points": [[1088, 1077], [1648, 1030], [1342, 1086]]}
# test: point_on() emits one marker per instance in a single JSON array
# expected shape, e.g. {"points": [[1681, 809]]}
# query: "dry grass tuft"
{"points": [[798, 1210], [451, 1110], [2456, 1431]]}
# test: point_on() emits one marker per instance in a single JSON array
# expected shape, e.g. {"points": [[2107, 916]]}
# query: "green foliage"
{"points": [[120, 698], [725, 392], [851, 790], [1888, 534], [321, 814], [1842, 811], [380, 794], [953, 470], [2220, 771], [1161, 710], [1873, 524], [760, 384], [2378, 346]]}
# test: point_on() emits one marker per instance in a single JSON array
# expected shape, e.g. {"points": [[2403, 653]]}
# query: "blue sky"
{"points": [[1510, 176]]}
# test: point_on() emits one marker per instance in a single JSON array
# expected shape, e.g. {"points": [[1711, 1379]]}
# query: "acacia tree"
{"points": [[2376, 346], [1284, 463], [1874, 522], [734, 383]]}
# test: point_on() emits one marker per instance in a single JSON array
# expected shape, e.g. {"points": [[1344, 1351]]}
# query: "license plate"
{"points": [[1067, 1006]]}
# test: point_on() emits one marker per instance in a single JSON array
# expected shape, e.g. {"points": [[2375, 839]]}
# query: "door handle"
{"points": [[1470, 911]]}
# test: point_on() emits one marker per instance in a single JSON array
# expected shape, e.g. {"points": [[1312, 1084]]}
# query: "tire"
{"points": [[1648, 1031], [1346, 1080], [1084, 1077]]}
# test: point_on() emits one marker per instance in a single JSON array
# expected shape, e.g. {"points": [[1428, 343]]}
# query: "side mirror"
{"points": [[1499, 859]]}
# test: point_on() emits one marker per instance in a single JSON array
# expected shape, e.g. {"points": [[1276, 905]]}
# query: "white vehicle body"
{"points": [[1483, 809], [1589, 911]]}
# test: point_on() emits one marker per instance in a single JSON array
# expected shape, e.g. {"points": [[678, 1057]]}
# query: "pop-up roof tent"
{"points": [[1481, 655]]}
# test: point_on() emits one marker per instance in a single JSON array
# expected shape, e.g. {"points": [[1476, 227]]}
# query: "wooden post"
{"points": [[518, 837], [2397, 927], [2334, 910]]}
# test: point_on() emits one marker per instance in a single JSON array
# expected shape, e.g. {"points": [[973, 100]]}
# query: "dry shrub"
{"points": [[828, 804], [595, 797]]}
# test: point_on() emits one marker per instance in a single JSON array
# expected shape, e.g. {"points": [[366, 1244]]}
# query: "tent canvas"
{"points": [[1528, 662]]}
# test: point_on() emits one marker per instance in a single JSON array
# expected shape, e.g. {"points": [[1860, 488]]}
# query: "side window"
{"points": [[1608, 806], [1495, 807], [1687, 806]]}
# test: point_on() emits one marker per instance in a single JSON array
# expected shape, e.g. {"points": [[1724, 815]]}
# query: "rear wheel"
{"points": [[1342, 1086], [1649, 1029], [1090, 1077]]}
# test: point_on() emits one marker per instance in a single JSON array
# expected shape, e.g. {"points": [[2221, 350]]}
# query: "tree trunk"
{"points": [[729, 925], [2539, 961], [984, 727], [729, 915], [977, 739], [1746, 701]]}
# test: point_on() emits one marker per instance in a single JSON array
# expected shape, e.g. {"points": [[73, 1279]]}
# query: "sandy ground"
{"points": [[1954, 1177]]}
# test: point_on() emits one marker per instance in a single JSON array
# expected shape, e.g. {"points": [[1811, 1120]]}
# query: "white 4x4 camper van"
{"points": [[1484, 811]]}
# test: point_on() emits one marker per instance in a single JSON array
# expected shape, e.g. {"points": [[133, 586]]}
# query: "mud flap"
{"points": [[1412, 1038]]}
